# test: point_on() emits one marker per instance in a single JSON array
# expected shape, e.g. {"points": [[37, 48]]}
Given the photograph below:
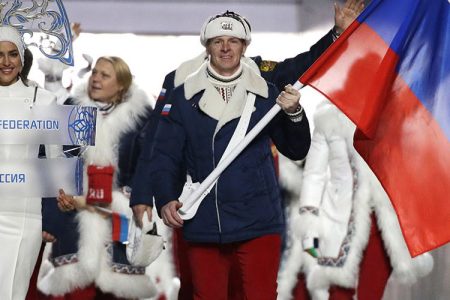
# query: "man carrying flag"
{"points": [[279, 73]]}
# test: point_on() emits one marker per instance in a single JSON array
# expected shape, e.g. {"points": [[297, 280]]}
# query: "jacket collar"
{"points": [[212, 104], [189, 67], [192, 65]]}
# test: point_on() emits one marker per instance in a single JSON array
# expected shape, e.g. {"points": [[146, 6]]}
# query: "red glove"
{"points": [[100, 184]]}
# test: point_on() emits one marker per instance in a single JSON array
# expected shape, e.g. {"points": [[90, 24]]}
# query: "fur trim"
{"points": [[126, 285], [123, 285], [253, 82], [124, 118], [66, 278], [121, 204], [188, 67], [292, 259], [44, 283], [212, 104], [92, 246], [62, 280], [307, 225], [46, 265], [423, 264], [289, 270], [251, 63], [290, 176], [191, 66]]}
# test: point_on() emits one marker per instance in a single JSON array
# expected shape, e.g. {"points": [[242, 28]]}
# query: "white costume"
{"points": [[339, 192], [20, 218], [53, 71]]}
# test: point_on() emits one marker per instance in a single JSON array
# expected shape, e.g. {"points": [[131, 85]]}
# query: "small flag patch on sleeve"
{"points": [[166, 109], [162, 95]]}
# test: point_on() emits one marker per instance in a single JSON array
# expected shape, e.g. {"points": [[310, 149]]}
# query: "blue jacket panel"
{"points": [[141, 188], [245, 203]]}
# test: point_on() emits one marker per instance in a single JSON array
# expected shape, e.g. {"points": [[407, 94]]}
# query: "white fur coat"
{"points": [[95, 231], [338, 194]]}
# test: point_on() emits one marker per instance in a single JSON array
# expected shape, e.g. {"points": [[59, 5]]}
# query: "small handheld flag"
{"points": [[119, 228]]}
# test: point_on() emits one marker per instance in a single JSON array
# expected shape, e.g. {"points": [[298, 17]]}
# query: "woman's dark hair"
{"points": [[27, 63]]}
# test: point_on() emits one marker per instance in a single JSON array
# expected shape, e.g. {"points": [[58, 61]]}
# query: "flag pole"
{"points": [[194, 197]]}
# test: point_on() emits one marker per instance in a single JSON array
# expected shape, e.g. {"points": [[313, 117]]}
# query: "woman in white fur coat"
{"points": [[338, 197], [83, 258], [20, 217]]}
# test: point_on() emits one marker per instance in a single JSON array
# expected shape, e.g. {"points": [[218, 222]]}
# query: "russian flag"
{"points": [[389, 72], [119, 227], [166, 109], [162, 95]]}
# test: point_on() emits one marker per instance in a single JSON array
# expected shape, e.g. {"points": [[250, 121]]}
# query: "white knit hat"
{"points": [[10, 34], [228, 24]]}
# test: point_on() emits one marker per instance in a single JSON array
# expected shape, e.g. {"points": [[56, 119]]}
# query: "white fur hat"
{"points": [[228, 24], [10, 34]]}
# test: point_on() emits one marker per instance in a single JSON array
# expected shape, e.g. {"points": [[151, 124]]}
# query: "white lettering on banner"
{"points": [[30, 124], [12, 178], [96, 193]]}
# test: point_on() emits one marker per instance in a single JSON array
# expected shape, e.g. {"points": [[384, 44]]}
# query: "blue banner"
{"points": [[51, 124], [40, 177]]}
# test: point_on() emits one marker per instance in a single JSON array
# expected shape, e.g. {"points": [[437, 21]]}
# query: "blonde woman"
{"points": [[81, 265]]}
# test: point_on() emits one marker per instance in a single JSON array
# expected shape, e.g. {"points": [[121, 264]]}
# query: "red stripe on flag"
{"points": [[409, 154], [116, 223], [356, 69]]}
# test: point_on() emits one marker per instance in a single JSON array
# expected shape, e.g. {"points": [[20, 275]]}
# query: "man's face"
{"points": [[226, 53], [10, 63]]}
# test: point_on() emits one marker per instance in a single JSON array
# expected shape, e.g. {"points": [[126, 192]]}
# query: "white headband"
{"points": [[10, 34], [225, 25]]}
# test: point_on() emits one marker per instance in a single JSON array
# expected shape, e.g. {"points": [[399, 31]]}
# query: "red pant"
{"points": [[258, 260], [375, 266], [183, 270]]}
